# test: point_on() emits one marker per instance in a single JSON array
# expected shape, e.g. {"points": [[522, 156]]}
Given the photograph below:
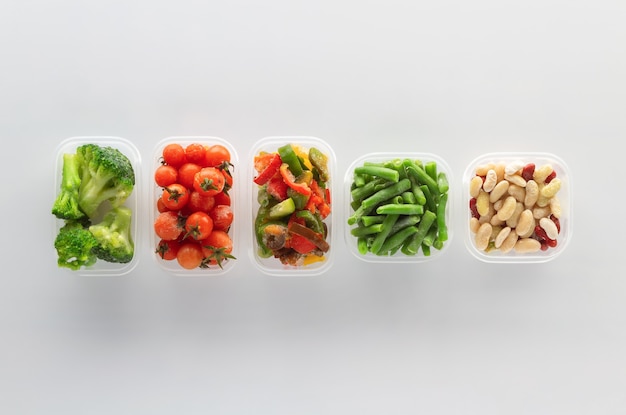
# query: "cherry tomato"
{"points": [[189, 255], [217, 248], [165, 175], [228, 179], [167, 226], [200, 203], [167, 249], [222, 216], [216, 155], [195, 153], [198, 225], [175, 196], [174, 155], [186, 173], [160, 206], [209, 181], [222, 198]]}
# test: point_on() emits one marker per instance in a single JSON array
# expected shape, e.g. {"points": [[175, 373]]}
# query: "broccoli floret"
{"points": [[66, 204], [74, 244], [113, 236], [107, 174]]}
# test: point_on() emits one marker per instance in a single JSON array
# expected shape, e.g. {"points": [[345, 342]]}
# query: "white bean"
{"points": [[555, 207], [482, 236], [541, 173], [527, 245], [525, 223], [551, 189], [502, 235], [499, 190], [509, 242], [475, 184], [532, 193], [507, 209], [482, 203], [513, 167], [490, 181], [550, 227]]}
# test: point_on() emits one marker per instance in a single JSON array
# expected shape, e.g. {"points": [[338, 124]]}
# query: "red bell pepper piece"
{"points": [[290, 179], [277, 188], [273, 164]]}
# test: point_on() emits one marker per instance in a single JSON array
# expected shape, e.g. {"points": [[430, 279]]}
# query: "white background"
{"points": [[453, 336]]}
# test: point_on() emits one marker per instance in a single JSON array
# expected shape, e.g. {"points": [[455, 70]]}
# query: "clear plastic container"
{"points": [[398, 256], [172, 266], [69, 145], [272, 265], [564, 195]]}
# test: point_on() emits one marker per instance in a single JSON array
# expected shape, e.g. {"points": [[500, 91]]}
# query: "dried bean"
{"points": [[527, 245], [500, 189], [550, 227], [483, 235]]}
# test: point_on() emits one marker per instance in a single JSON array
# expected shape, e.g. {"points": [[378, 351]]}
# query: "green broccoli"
{"points": [[66, 204], [113, 236], [107, 174], [74, 244]]}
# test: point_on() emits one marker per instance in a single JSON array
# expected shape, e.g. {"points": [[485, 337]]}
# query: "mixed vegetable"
{"points": [[194, 205], [399, 206], [96, 182], [294, 198]]}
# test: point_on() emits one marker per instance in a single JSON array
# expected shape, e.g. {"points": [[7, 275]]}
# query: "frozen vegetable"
{"points": [[96, 182], [514, 207], [195, 214], [75, 246], [113, 233], [398, 205], [104, 173], [294, 198]]}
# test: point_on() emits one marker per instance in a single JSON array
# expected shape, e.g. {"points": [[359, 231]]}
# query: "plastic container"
{"points": [[398, 256], [271, 265], [172, 266], [564, 195], [69, 145]]}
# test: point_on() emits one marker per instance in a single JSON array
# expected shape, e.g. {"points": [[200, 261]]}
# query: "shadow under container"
{"points": [[128, 149], [394, 235], [536, 187], [172, 266], [309, 264]]}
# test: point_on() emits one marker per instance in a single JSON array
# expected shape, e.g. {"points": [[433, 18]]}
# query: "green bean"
{"points": [[379, 239], [431, 203], [404, 221], [368, 220], [400, 209], [367, 230], [441, 218], [387, 193], [360, 180], [427, 220], [379, 171], [430, 237], [362, 245], [420, 174], [368, 189], [431, 169], [442, 183], [409, 197], [396, 239], [417, 191]]}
